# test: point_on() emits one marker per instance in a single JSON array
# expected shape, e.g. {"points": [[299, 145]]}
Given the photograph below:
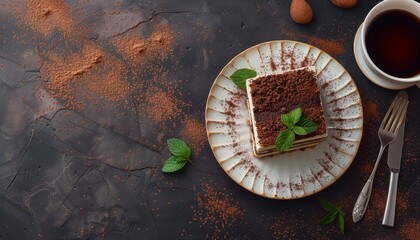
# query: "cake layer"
{"points": [[270, 96], [271, 150]]}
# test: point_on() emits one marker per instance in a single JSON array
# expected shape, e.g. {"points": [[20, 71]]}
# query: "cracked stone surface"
{"points": [[94, 173]]}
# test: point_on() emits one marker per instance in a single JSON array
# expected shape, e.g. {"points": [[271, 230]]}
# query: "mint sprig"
{"points": [[308, 125], [180, 155], [284, 140], [240, 76], [333, 214], [295, 125], [178, 147]]}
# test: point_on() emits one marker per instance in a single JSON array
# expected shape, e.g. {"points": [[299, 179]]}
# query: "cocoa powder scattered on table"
{"points": [[217, 210], [377, 206], [85, 77], [403, 199], [282, 226], [139, 50], [45, 16], [194, 133], [371, 111], [96, 77], [333, 47], [371, 123], [367, 167], [161, 104], [157, 93], [410, 230]]}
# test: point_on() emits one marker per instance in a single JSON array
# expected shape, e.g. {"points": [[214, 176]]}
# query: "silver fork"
{"points": [[387, 133]]}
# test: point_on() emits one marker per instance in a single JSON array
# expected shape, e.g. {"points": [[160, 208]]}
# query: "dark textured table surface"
{"points": [[90, 90]]}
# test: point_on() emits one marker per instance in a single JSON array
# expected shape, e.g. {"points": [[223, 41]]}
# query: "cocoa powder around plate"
{"points": [[333, 47], [194, 132], [371, 111]]}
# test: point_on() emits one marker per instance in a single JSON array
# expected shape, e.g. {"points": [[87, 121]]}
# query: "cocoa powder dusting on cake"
{"points": [[274, 95], [194, 132]]}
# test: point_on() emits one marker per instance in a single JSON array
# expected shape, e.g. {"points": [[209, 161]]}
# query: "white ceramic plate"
{"points": [[290, 175]]}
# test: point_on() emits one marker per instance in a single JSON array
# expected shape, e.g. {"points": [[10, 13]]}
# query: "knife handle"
{"points": [[391, 200]]}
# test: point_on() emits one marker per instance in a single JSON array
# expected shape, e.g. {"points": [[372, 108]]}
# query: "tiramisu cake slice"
{"points": [[270, 96]]}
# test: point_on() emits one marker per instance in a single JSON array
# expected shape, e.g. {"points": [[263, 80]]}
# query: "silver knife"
{"points": [[394, 163]]}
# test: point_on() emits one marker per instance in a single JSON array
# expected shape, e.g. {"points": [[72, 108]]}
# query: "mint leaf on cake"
{"points": [[291, 120]]}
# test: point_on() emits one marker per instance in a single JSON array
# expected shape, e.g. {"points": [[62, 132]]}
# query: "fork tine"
{"points": [[394, 115], [401, 117], [394, 111], [387, 114]]}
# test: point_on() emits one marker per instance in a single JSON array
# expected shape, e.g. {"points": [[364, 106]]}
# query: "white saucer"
{"points": [[380, 81]]}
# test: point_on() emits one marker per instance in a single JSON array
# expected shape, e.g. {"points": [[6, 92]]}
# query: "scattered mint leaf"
{"points": [[284, 140], [329, 218], [295, 125], [178, 147], [308, 125], [181, 159], [327, 206], [240, 76], [341, 222], [300, 131], [173, 165], [333, 213], [180, 155]]}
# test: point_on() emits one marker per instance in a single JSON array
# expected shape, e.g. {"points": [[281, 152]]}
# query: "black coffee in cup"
{"points": [[393, 43]]}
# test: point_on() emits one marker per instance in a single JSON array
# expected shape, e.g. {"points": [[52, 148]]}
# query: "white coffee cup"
{"points": [[410, 6]]}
